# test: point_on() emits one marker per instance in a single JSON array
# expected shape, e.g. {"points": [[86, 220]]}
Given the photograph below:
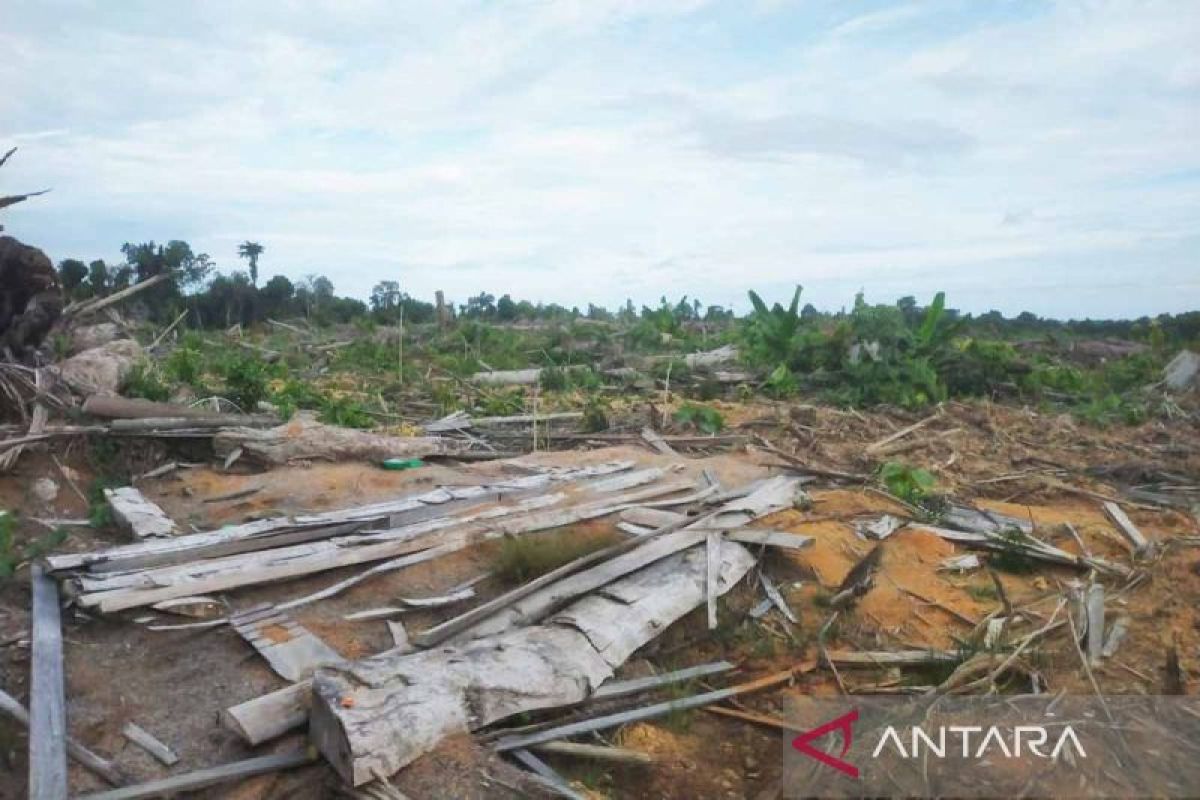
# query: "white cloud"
{"points": [[590, 151]]}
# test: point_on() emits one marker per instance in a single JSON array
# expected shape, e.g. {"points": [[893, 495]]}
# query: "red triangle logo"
{"points": [[844, 724]]}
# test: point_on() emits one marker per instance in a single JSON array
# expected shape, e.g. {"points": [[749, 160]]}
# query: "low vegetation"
{"points": [[298, 346]]}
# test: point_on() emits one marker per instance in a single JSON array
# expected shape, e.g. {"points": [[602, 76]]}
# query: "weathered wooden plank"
{"points": [[131, 590], [1095, 622], [886, 658], [261, 534], [270, 715], [1141, 545], [760, 536], [656, 441], [541, 597], [611, 689], [289, 648], [48, 715], [594, 752], [712, 550], [213, 776], [139, 516]]}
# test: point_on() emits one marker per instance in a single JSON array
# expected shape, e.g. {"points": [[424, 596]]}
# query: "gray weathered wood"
{"points": [[148, 742], [213, 776], [760, 536], [551, 779], [594, 752], [653, 439], [1116, 635], [611, 689], [712, 549], [886, 658], [1125, 525], [48, 715], [138, 515], [1095, 622], [543, 596], [378, 714], [131, 590], [776, 598], [275, 531], [289, 648]]}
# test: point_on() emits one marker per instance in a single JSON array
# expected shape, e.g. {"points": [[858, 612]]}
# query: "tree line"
{"points": [[219, 299]]}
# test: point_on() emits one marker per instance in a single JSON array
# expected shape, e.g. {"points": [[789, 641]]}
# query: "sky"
{"points": [[1019, 155]]}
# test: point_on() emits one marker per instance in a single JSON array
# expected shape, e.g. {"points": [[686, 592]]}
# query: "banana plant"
{"points": [[777, 326]]}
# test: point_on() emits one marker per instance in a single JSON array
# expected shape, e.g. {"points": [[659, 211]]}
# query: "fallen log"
{"points": [[305, 439], [110, 407], [374, 716]]}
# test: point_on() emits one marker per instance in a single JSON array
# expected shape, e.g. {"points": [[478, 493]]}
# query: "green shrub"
{"points": [[144, 381], [703, 418], [346, 413], [246, 380], [910, 484], [185, 365]]}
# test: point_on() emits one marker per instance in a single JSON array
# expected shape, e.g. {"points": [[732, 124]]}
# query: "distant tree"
{"points": [[809, 311], [251, 251], [71, 272], [385, 298], [98, 279], [506, 309], [276, 295]]}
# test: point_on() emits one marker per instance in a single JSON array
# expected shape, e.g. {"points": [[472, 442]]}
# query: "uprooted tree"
{"points": [[31, 297]]}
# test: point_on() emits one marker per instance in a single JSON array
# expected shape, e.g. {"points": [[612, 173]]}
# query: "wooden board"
{"points": [[48, 709]]}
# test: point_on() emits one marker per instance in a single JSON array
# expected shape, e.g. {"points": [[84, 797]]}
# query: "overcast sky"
{"points": [[1039, 156]]}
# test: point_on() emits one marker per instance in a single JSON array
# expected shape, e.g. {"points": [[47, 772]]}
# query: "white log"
{"points": [[305, 439], [515, 377], [377, 715]]}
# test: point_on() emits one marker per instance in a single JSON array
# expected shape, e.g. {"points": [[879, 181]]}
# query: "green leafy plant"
{"points": [[345, 412], [246, 380], [910, 484], [185, 365], [144, 381], [772, 332], [702, 418]]}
